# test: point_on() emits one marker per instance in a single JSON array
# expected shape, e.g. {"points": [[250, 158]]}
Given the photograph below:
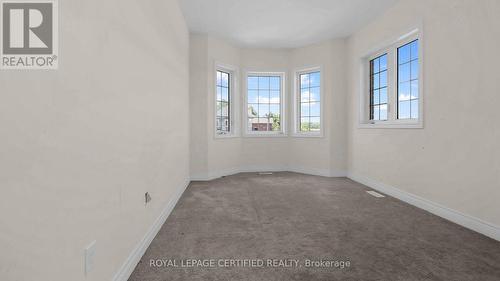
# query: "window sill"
{"points": [[392, 125], [308, 135], [266, 135], [225, 136]]}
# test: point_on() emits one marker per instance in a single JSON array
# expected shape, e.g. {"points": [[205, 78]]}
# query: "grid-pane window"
{"points": [[310, 102], [223, 122], [408, 81], [264, 103], [378, 88]]}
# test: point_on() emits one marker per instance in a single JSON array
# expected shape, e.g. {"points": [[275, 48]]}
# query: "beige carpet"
{"points": [[286, 219]]}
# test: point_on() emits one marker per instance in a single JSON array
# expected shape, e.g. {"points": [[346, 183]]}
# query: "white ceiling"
{"points": [[280, 23]]}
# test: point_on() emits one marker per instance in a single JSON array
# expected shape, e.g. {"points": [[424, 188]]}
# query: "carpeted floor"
{"points": [[270, 220]]}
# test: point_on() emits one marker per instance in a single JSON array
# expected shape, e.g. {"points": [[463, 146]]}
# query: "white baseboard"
{"points": [[473, 223], [318, 172], [255, 169], [135, 256]]}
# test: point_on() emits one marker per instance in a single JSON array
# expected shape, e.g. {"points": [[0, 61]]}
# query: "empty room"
{"points": [[263, 140]]}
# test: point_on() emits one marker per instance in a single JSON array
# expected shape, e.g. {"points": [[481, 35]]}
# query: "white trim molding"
{"points": [[135, 256], [467, 221], [266, 168]]}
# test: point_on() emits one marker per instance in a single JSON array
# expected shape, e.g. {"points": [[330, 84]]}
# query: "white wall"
{"points": [[206, 150], [198, 104], [325, 156], [328, 155], [81, 145], [455, 160], [269, 153]]}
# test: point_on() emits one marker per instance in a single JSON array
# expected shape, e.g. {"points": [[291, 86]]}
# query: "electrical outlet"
{"points": [[89, 257], [147, 198]]}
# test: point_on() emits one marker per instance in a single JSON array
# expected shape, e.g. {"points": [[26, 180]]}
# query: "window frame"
{"points": [[233, 93], [371, 89], [397, 79], [391, 49], [297, 103], [244, 114]]}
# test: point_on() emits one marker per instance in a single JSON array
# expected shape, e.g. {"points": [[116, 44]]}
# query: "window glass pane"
{"points": [[376, 65], [376, 112], [222, 102], [404, 110], [414, 69], [224, 109], [225, 79], [383, 79], [315, 109], [314, 123], [219, 108], [274, 97], [404, 91], [219, 123], [404, 54], [304, 81], [264, 82], [252, 110], [274, 109], [275, 83], [263, 124], [408, 74], [383, 62], [219, 93], [275, 123], [378, 87], [253, 83], [266, 124], [315, 94], [376, 97], [264, 103], [310, 98], [224, 94], [414, 89], [404, 72], [263, 96], [253, 96], [304, 109], [224, 124], [383, 95], [304, 95], [263, 109], [383, 112], [414, 50], [219, 74], [376, 81], [414, 109], [304, 124], [314, 79], [259, 124]]}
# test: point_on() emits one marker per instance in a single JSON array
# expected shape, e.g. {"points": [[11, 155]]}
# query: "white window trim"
{"points": [[244, 115], [296, 103], [364, 99], [233, 94]]}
